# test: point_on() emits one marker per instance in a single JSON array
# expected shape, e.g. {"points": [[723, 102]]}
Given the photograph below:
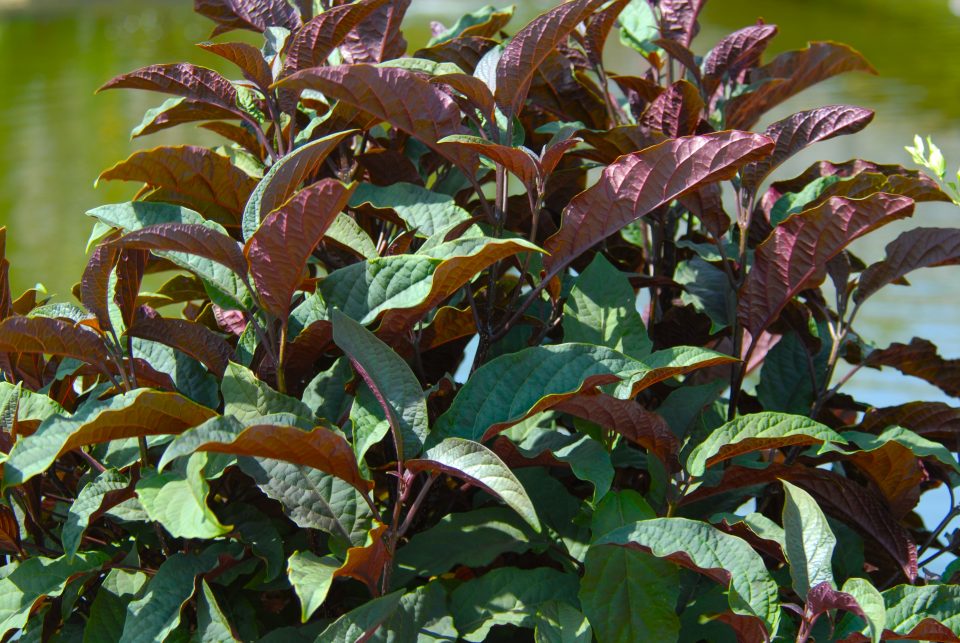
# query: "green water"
{"points": [[56, 135]]}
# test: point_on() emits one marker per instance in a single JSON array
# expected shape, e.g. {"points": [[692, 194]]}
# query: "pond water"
{"points": [[56, 135]]}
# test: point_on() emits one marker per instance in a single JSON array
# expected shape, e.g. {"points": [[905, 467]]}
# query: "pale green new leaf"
{"points": [[390, 379], [508, 596], [179, 503], [311, 577], [808, 540], [757, 431], [871, 602], [348, 233], [602, 310], [727, 559], [475, 463], [423, 210], [248, 399], [88, 502]]}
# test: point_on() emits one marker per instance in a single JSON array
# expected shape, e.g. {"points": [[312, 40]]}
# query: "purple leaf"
{"points": [[253, 15], [317, 39], [678, 19], [95, 283], [378, 36], [675, 112], [181, 79], [191, 338], [738, 51], [191, 238], [917, 248], [247, 57]]}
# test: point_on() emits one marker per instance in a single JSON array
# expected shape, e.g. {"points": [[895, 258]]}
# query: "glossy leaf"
{"points": [[678, 19], [795, 256], [212, 623], [278, 251], [378, 37], [284, 177], [247, 57], [320, 36], [808, 540], [181, 79], [788, 74], [400, 97], [801, 130], [755, 432], [626, 191], [598, 30], [917, 248], [519, 161], [319, 448], [927, 613], [531, 46], [252, 15], [740, 50], [390, 379], [726, 559], [191, 239], [473, 462], [43, 335], [676, 111], [140, 412]]}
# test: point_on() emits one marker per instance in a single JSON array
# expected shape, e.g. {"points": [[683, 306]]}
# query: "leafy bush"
{"points": [[397, 386]]}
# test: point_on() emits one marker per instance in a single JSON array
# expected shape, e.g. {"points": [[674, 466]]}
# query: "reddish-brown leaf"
{"points": [[253, 15], [366, 564], [598, 30], [795, 256], [520, 162], [45, 335], [465, 53], [181, 79], [917, 248], [191, 238], [191, 338], [242, 137], [131, 265], [678, 19], [378, 36], [707, 205], [398, 96], [638, 183], [448, 324], [316, 40], [247, 57], [531, 46], [823, 598], [194, 171], [920, 359], [185, 111], [472, 87], [6, 299], [675, 112], [629, 419], [800, 130], [9, 530], [788, 74], [738, 51], [319, 448], [95, 283], [896, 472], [933, 420], [278, 251]]}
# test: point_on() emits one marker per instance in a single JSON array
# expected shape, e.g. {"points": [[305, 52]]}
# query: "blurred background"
{"points": [[56, 135]]}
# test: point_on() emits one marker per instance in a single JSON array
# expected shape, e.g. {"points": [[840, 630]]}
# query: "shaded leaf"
{"points": [[95, 283], [726, 559], [193, 339], [920, 359], [278, 251], [212, 623], [676, 111], [795, 256], [626, 189], [678, 19], [362, 621], [755, 432], [108, 489], [177, 111]]}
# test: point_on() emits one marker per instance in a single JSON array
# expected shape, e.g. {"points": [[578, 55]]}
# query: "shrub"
{"points": [[397, 387]]}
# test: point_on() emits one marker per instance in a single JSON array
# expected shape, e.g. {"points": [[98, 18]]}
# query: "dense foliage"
{"points": [[485, 342]]}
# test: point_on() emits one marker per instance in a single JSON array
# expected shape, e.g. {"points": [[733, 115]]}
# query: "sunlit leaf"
{"points": [[808, 540]]}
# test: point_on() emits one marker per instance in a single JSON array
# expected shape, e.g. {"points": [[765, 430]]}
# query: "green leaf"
{"points": [[350, 235], [475, 463], [354, 625], [256, 529], [23, 585], [590, 461], [471, 538], [639, 26], [759, 524], [918, 445], [326, 393], [134, 215], [561, 623], [469, 21], [629, 595], [212, 624], [786, 381], [311, 577], [908, 606], [390, 379], [508, 596], [29, 406], [106, 489], [602, 310], [156, 613], [247, 398], [179, 502], [422, 615], [708, 289], [108, 611], [368, 422], [618, 509], [727, 559], [189, 376], [421, 209], [793, 202], [140, 412], [871, 602], [808, 540], [756, 431], [313, 499]]}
